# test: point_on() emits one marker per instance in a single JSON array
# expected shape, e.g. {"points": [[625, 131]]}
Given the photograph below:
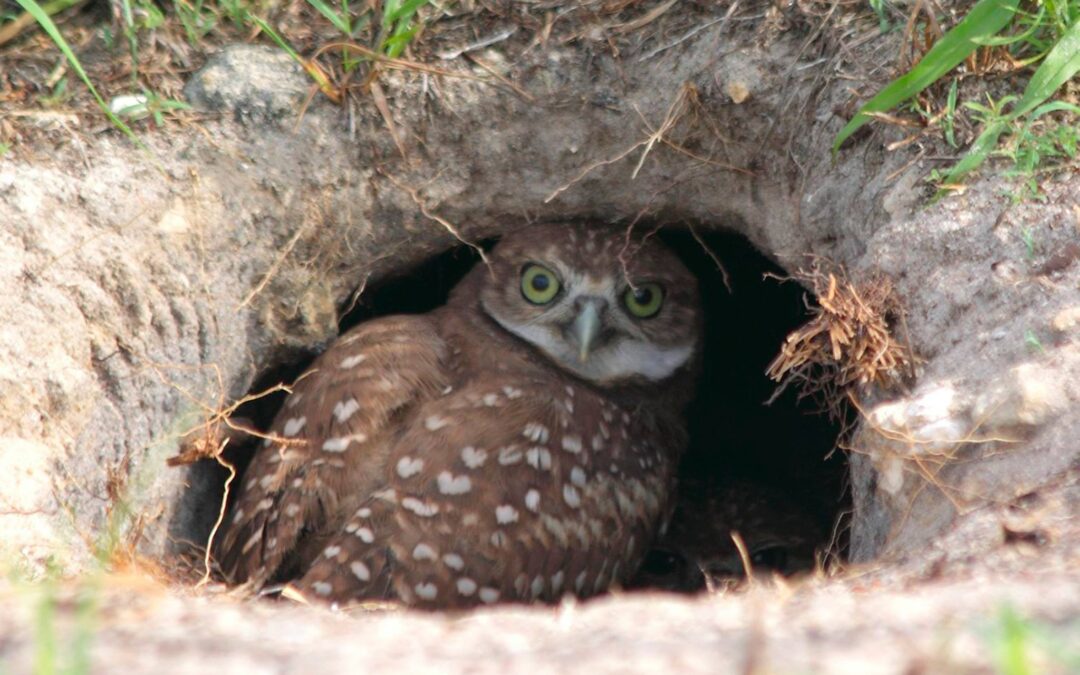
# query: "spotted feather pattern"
{"points": [[502, 493], [446, 461], [295, 491]]}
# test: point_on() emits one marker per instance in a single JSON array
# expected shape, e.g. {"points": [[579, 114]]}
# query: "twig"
{"points": [[689, 34], [396, 64], [690, 153], [447, 225], [713, 256], [517, 89], [221, 513], [479, 44], [590, 168], [674, 112], [379, 97], [274, 267], [643, 20], [744, 556]]}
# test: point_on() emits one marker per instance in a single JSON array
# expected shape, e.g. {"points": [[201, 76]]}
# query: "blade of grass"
{"points": [[315, 74], [1036, 22], [35, 10], [977, 153], [340, 21], [397, 11], [12, 29], [950, 114], [398, 16], [1060, 65], [984, 20], [1054, 106], [45, 630], [1012, 644]]}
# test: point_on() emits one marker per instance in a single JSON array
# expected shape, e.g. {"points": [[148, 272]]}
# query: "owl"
{"points": [[516, 444], [698, 551]]}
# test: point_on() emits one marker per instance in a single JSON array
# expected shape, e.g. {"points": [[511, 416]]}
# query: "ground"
{"points": [[149, 288]]}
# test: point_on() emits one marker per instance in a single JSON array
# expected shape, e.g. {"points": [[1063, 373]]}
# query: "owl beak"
{"points": [[586, 327]]}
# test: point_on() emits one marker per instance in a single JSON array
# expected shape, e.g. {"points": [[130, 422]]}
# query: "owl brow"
{"points": [[552, 267], [633, 280], [532, 321], [635, 284]]}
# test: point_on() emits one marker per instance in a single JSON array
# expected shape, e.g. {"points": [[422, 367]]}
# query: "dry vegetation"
{"points": [[848, 344]]}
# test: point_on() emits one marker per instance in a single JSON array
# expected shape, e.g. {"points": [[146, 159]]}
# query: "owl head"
{"points": [[609, 309]]}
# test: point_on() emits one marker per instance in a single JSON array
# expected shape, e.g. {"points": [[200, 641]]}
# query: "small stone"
{"points": [[738, 91], [1067, 320]]}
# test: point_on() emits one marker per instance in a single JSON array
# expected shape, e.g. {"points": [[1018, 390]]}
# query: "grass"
{"points": [[40, 15], [1045, 36], [1037, 39], [63, 616], [386, 28], [66, 611], [1021, 646], [64, 652]]}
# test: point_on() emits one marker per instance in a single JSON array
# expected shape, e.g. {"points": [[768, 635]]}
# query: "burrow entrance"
{"points": [[762, 469]]}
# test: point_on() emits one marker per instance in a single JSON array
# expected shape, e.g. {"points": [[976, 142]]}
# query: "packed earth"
{"points": [[897, 373]]}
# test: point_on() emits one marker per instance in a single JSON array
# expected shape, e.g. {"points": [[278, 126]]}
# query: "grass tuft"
{"points": [[1047, 38]]}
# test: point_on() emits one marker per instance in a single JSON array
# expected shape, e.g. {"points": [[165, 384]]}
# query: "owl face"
{"points": [[605, 309]]}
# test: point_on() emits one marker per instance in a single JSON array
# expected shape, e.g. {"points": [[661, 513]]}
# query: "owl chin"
{"points": [[621, 360]]}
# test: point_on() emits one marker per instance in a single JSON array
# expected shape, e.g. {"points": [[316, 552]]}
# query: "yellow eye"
{"points": [[539, 285], [645, 300]]}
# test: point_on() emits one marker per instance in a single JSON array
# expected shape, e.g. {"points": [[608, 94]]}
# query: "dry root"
{"points": [[848, 343]]}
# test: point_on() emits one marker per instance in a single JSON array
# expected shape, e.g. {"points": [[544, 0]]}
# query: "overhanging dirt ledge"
{"points": [[141, 292]]}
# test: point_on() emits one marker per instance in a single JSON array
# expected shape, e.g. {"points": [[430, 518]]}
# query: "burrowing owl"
{"points": [[698, 549], [518, 443]]}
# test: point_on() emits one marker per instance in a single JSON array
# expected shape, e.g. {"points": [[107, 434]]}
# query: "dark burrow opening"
{"points": [[767, 472]]}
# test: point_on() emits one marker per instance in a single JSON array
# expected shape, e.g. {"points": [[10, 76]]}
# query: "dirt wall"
{"points": [[149, 288]]}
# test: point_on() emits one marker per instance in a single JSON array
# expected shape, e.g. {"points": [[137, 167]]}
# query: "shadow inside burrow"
{"points": [[781, 449]]}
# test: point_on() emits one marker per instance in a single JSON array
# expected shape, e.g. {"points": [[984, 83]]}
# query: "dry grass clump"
{"points": [[848, 343]]}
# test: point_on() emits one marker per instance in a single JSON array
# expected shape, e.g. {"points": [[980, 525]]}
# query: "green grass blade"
{"points": [[984, 20], [396, 43], [1012, 646], [313, 73], [1059, 66], [978, 152], [404, 10], [1054, 106], [58, 6], [1003, 40], [340, 21], [45, 646], [269, 30], [41, 16]]}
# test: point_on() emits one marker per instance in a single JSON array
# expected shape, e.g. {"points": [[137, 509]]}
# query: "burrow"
{"points": [[750, 439]]}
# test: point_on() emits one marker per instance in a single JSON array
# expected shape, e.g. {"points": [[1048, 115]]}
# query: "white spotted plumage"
{"points": [[471, 455]]}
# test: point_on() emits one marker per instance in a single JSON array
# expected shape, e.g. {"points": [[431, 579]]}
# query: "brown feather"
{"points": [[449, 462]]}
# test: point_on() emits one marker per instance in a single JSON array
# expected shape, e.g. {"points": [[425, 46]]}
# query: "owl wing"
{"points": [[503, 489], [334, 428]]}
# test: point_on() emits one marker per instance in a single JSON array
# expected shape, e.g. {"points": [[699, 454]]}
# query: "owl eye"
{"points": [[644, 301], [539, 285]]}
